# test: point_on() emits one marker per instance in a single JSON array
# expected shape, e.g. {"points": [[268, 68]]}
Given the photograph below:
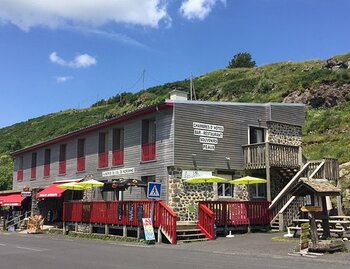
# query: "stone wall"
{"points": [[183, 197], [286, 134]]}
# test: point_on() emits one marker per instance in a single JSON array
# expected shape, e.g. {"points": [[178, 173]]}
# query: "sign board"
{"points": [[26, 194], [304, 238], [186, 174], [148, 229], [209, 134], [311, 208], [118, 172], [153, 190]]}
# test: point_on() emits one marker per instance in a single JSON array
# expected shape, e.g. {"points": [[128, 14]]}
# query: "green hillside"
{"points": [[326, 91]]}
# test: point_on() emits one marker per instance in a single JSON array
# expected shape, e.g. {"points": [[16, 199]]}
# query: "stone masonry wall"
{"points": [[184, 197], [286, 134]]}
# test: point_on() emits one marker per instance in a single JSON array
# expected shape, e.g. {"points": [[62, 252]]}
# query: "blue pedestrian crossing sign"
{"points": [[153, 190]]}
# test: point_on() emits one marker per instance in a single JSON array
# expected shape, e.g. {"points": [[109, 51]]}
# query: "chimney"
{"points": [[178, 95]]}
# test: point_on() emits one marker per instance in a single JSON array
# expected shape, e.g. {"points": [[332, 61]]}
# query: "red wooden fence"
{"points": [[236, 213], [166, 219], [206, 220]]}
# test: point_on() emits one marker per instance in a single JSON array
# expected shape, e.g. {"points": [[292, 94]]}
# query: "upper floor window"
{"points": [[81, 155], [20, 168], [33, 166], [148, 140], [102, 150], [256, 135], [62, 159], [118, 146], [47, 161]]}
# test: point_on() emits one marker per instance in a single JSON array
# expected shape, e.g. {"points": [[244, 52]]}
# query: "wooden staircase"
{"points": [[188, 232], [285, 207]]}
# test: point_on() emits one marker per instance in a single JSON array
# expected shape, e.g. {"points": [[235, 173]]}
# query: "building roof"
{"points": [[137, 113], [321, 187], [100, 125]]}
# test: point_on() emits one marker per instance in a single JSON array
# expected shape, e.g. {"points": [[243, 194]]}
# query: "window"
{"points": [[20, 169], [62, 159], [148, 140], [33, 166], [256, 135], [225, 189], [258, 191], [118, 146], [47, 161], [81, 155], [102, 150]]}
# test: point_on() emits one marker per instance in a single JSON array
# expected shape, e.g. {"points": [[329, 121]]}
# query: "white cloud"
{"points": [[198, 9], [80, 61], [57, 13], [62, 79]]}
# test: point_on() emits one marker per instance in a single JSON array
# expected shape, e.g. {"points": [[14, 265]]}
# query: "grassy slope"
{"points": [[326, 131]]}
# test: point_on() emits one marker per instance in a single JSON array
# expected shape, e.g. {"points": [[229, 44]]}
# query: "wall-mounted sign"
{"points": [[186, 174], [209, 134], [26, 194], [118, 172]]}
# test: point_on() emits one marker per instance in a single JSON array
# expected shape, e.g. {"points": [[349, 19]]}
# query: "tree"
{"points": [[242, 59], [6, 172]]}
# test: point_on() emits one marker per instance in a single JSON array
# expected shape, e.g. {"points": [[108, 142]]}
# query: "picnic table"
{"points": [[337, 226]]}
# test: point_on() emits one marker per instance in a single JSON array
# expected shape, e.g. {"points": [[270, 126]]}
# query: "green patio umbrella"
{"points": [[248, 180], [205, 179], [92, 183], [73, 186]]}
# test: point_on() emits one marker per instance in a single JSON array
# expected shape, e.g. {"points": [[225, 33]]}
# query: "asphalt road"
{"points": [[24, 251]]}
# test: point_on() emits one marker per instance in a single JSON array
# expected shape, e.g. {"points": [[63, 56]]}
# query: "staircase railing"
{"points": [[17, 221], [206, 221], [285, 207], [166, 221]]}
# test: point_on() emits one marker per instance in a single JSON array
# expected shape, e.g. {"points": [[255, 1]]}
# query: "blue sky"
{"points": [[64, 54]]}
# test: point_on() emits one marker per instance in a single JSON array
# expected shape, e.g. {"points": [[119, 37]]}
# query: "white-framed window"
{"points": [[225, 190]]}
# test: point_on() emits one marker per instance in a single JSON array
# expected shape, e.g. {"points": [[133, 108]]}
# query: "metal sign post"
{"points": [[153, 192]]}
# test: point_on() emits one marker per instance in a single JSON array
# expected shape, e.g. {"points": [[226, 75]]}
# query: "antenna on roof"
{"points": [[192, 89]]}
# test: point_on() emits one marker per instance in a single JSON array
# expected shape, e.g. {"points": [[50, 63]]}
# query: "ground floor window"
{"points": [[225, 189], [258, 191]]}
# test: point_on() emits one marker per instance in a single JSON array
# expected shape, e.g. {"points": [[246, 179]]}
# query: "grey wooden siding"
{"points": [[235, 118], [132, 156], [288, 113]]}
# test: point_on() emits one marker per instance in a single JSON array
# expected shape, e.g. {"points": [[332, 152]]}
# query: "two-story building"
{"points": [[163, 143]]}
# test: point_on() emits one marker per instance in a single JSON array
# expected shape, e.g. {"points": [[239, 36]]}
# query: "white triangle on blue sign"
{"points": [[154, 192]]}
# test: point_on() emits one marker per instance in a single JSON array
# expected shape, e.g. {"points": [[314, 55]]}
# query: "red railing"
{"points": [[128, 213], [81, 164], [119, 213], [236, 213], [103, 160], [62, 167], [20, 175], [148, 152], [46, 170], [206, 220], [166, 220], [33, 173], [118, 157]]}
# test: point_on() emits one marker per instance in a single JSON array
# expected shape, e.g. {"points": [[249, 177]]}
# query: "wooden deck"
{"points": [[263, 155]]}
